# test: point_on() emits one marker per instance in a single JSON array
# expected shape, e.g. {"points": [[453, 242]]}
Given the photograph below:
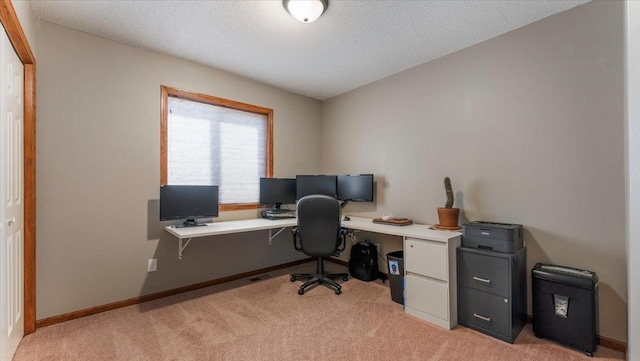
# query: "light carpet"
{"points": [[267, 320]]}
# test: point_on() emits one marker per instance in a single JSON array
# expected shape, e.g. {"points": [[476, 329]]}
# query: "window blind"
{"points": [[213, 145]]}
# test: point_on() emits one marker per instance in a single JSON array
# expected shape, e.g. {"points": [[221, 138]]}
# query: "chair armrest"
{"points": [[294, 232]]}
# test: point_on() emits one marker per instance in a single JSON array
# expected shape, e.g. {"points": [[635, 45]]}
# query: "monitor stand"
{"points": [[190, 222], [276, 209], [278, 213]]}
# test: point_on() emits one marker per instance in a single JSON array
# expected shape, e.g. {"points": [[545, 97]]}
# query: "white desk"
{"points": [[248, 225], [429, 256], [228, 227], [412, 230], [430, 278]]}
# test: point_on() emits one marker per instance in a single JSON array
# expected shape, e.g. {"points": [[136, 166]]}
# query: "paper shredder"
{"points": [[565, 306]]}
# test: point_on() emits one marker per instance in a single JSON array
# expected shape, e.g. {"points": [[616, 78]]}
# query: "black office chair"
{"points": [[320, 236]]}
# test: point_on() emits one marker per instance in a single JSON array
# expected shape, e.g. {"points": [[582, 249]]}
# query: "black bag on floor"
{"points": [[363, 263]]}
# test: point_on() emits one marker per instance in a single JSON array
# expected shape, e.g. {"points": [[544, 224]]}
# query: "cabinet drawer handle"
{"points": [[483, 280], [488, 319]]}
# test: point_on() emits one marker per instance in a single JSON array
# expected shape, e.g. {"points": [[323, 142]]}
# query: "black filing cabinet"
{"points": [[492, 292]]}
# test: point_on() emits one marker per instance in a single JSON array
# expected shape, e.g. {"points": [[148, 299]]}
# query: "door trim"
{"points": [[18, 39]]}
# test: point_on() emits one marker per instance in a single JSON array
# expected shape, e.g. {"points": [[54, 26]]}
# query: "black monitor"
{"points": [[188, 203], [316, 184], [355, 188], [277, 191]]}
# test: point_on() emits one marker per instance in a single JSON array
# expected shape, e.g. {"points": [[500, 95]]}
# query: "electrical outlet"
{"points": [[152, 265]]}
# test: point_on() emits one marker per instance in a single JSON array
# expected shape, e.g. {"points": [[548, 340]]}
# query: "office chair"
{"points": [[320, 236]]}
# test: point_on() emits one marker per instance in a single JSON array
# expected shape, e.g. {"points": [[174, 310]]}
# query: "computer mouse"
{"points": [[346, 218]]}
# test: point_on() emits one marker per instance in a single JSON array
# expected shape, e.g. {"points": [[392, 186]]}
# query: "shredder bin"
{"points": [[565, 306], [395, 266]]}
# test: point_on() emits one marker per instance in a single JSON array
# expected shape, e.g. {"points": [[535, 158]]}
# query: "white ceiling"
{"points": [[352, 44]]}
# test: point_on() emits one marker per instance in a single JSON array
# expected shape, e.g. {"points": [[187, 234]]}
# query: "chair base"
{"points": [[319, 278]]}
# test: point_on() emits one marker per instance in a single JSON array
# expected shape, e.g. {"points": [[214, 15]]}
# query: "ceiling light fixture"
{"points": [[306, 11]]}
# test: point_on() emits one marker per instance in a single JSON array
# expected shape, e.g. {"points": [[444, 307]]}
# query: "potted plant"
{"points": [[448, 216]]}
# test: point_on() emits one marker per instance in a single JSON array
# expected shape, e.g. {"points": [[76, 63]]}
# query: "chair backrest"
{"points": [[319, 218]]}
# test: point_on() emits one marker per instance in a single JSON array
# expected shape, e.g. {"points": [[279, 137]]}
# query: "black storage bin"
{"points": [[395, 266], [565, 306]]}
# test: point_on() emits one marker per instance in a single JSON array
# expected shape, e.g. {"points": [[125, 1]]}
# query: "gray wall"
{"points": [[98, 172], [27, 21], [633, 181], [530, 128]]}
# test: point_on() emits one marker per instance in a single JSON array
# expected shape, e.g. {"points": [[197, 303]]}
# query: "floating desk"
{"points": [[186, 234], [249, 225], [429, 257]]}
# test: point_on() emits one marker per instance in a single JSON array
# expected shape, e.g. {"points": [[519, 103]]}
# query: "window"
{"points": [[207, 140]]}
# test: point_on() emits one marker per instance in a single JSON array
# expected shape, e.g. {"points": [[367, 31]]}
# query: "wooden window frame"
{"points": [[167, 92]]}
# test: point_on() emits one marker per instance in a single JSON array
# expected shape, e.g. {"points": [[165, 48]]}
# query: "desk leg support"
{"points": [[181, 247], [272, 236]]}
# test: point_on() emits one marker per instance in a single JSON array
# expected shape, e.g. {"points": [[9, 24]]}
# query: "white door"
{"points": [[11, 194]]}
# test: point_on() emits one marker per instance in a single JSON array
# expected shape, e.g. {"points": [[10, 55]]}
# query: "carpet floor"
{"points": [[267, 320]]}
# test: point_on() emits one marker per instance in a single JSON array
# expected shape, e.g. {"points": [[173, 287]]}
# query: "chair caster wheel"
{"points": [[292, 279], [301, 292], [338, 292], [345, 278]]}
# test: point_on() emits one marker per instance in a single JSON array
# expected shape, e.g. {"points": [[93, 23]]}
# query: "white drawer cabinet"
{"points": [[430, 285], [427, 258], [430, 289], [427, 296]]}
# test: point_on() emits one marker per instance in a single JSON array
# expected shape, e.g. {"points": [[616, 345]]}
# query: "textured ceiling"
{"points": [[352, 44]]}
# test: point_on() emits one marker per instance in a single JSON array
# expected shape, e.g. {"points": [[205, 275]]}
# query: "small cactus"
{"points": [[447, 188]]}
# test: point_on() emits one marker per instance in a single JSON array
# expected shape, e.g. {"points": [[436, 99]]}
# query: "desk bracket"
{"points": [[181, 247], [272, 236]]}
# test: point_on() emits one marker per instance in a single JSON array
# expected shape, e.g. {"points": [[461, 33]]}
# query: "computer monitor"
{"points": [[316, 184], [355, 188], [188, 203], [277, 191]]}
